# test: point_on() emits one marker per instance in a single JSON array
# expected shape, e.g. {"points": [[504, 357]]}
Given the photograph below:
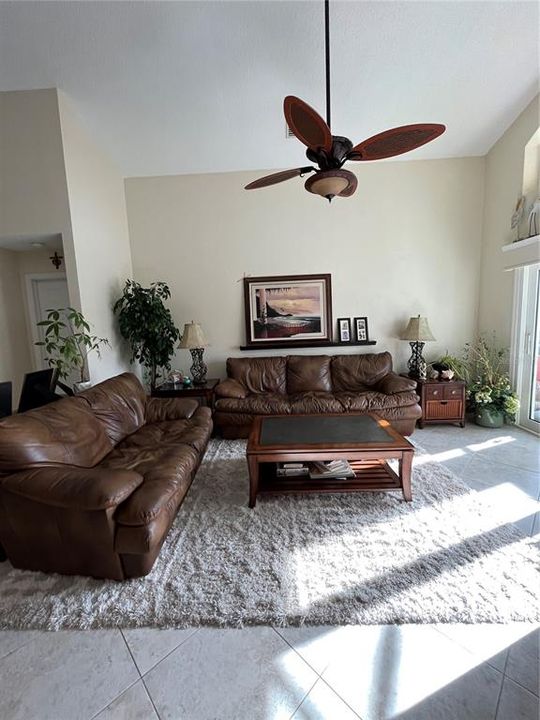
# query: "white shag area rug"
{"points": [[316, 559]]}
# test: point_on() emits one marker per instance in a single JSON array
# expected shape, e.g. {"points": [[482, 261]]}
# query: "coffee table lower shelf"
{"points": [[369, 476]]}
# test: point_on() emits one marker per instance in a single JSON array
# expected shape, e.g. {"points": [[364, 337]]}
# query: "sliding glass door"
{"points": [[528, 345]]}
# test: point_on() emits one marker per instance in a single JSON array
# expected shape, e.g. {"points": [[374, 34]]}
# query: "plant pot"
{"points": [[79, 387], [488, 416]]}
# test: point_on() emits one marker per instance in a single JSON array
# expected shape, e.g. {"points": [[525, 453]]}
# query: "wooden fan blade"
{"points": [[396, 141], [278, 177], [307, 124]]}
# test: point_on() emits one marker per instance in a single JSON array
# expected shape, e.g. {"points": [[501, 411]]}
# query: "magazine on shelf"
{"points": [[335, 469], [292, 470]]}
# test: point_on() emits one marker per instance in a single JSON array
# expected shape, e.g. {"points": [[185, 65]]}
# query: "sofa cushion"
{"points": [[262, 404], [119, 405], [357, 372], [167, 473], [315, 402], [230, 388], [308, 373], [259, 375], [374, 401], [194, 431], [64, 432]]}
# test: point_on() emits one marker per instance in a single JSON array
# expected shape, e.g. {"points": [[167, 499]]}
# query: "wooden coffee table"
{"points": [[365, 440]]}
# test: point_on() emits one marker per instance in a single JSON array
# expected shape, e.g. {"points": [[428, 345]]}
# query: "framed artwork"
{"points": [[288, 310], [361, 329], [344, 330]]}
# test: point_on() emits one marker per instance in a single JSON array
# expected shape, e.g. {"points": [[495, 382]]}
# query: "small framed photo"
{"points": [[361, 329], [344, 330]]}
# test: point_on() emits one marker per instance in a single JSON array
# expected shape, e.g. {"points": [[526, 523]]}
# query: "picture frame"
{"points": [[361, 332], [344, 330], [288, 310]]}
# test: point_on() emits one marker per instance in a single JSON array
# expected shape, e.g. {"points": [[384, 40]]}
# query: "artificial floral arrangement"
{"points": [[489, 392]]}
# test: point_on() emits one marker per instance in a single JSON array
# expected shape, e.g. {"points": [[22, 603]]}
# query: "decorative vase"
{"points": [[79, 387], [488, 416]]}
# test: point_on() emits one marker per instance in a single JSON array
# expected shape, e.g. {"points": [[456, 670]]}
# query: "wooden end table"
{"points": [[365, 440], [205, 392], [442, 401]]}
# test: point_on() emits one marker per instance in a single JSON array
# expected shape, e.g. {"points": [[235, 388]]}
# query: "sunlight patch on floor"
{"points": [[439, 457], [491, 443]]}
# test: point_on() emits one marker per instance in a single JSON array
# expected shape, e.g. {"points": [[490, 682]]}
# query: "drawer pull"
{"points": [[435, 392]]}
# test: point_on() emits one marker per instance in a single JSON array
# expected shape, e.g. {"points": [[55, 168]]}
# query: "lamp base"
{"points": [[198, 370], [416, 364]]}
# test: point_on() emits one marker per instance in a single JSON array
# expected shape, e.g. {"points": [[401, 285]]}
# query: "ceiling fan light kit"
{"points": [[330, 152], [329, 183]]}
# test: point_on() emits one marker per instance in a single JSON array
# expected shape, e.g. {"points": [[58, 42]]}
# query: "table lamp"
{"points": [[193, 339], [417, 332]]}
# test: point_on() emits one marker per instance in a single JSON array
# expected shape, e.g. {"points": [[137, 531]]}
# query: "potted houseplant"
{"points": [[489, 392], [67, 342], [449, 367], [148, 326]]}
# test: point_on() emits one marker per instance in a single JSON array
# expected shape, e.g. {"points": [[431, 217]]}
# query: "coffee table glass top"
{"points": [[321, 429]]}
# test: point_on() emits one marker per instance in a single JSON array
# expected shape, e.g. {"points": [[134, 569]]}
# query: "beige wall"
{"points": [[100, 237], [15, 356], [33, 191], [503, 185], [408, 242]]}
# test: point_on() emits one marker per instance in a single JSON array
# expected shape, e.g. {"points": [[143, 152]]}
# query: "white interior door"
{"points": [[45, 292]]}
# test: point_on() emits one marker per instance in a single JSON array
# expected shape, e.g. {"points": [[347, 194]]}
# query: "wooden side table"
{"points": [[442, 401], [177, 390]]}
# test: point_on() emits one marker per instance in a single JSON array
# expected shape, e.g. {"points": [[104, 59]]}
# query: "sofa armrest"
{"points": [[163, 409], [230, 388], [393, 383], [72, 487]]}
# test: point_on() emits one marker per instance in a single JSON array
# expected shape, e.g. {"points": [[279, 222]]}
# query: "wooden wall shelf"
{"points": [[307, 344]]}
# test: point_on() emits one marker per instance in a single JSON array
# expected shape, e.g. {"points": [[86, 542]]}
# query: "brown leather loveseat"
{"points": [[90, 485], [299, 384]]}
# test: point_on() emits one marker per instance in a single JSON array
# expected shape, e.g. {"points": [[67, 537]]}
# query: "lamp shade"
{"points": [[418, 330], [193, 336]]}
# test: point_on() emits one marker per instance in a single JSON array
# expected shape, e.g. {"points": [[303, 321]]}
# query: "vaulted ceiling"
{"points": [[184, 87]]}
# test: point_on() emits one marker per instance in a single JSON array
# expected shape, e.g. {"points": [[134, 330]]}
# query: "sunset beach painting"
{"points": [[288, 309]]}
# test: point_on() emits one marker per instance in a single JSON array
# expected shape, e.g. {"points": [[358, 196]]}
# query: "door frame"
{"points": [[522, 340], [29, 279]]}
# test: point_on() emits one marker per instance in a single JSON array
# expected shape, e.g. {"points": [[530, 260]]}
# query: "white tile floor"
{"points": [[431, 672]]}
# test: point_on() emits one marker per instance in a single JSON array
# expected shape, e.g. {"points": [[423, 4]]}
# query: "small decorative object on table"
{"points": [[193, 339], [417, 332], [344, 330], [361, 329], [489, 392]]}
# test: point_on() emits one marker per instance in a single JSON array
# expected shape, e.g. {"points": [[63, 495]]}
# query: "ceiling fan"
{"points": [[329, 152]]}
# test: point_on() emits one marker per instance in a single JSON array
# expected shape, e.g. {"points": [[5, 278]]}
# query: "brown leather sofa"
{"points": [[298, 384], [90, 485]]}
